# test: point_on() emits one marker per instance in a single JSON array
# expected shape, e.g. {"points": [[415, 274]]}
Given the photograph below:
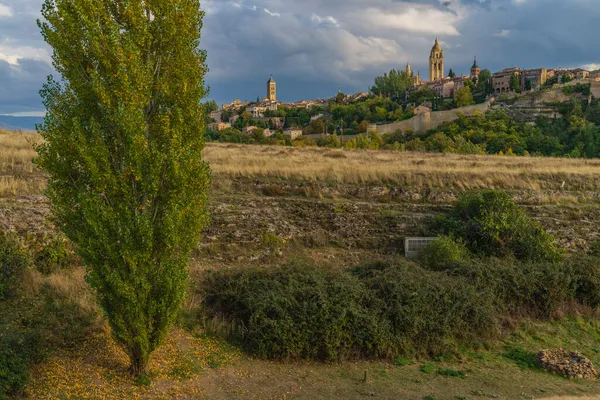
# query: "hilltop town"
{"points": [[293, 119]]}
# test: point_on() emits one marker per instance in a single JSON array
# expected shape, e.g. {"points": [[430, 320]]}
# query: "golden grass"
{"points": [[18, 176], [402, 168]]}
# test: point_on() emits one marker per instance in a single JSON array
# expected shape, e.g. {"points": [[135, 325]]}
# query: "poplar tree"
{"points": [[123, 139]]}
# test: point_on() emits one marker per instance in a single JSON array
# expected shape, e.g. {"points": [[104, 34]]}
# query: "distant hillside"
{"points": [[19, 123]]}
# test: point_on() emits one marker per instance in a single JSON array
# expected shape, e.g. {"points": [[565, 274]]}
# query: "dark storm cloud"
{"points": [[315, 47]]}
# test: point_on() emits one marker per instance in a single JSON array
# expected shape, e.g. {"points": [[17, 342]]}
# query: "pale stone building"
{"points": [[218, 126], [436, 62], [293, 133], [475, 70], [416, 78], [272, 90], [536, 77], [501, 79]]}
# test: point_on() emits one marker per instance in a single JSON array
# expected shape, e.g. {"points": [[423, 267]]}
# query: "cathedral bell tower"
{"points": [[436, 62]]}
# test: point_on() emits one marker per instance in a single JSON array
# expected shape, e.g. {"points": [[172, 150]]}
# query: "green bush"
{"points": [[300, 311], [14, 259], [491, 224], [13, 368], [294, 311], [54, 256], [444, 253], [426, 312], [535, 289]]}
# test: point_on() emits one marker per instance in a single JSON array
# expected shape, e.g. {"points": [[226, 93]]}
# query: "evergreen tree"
{"points": [[123, 139], [451, 73]]}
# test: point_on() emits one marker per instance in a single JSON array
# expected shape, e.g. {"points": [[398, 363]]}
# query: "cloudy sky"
{"points": [[315, 47]]}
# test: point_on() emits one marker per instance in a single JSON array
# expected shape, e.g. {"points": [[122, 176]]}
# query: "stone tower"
{"points": [[271, 90], [436, 62], [475, 70], [408, 71]]}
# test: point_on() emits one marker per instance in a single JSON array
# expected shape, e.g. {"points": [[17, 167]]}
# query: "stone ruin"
{"points": [[569, 364]]}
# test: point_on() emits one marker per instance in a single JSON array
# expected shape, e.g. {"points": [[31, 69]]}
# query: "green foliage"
{"points": [[301, 311], [427, 368], [402, 362], [523, 358], [392, 84], [14, 371], [444, 253], [332, 141], [14, 259], [54, 255], [370, 141], [581, 88], [463, 97], [123, 140], [294, 311], [450, 372], [491, 224]]}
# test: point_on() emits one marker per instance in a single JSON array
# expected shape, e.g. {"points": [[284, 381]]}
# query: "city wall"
{"points": [[430, 120]]}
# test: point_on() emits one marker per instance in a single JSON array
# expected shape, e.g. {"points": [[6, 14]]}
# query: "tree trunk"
{"points": [[139, 365]]}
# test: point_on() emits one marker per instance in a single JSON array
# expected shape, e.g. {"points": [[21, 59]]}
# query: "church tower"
{"points": [[271, 90], [436, 62], [475, 70], [408, 71]]}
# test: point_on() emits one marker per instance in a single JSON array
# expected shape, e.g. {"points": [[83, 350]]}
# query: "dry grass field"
{"points": [[337, 208], [18, 176]]}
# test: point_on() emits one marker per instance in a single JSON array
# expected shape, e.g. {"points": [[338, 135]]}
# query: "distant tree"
{"points": [[566, 78], [483, 82], [463, 97], [470, 85], [514, 83], [123, 139], [363, 126], [392, 85], [527, 85], [226, 116], [340, 98], [210, 106], [451, 73]]}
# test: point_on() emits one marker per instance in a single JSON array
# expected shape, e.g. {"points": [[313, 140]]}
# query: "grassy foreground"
{"points": [[335, 208]]}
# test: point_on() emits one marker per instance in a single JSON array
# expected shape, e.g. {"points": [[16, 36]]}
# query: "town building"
{"points": [[272, 90], [436, 62], [534, 78], [257, 111], [475, 70], [218, 126], [293, 133], [416, 78], [595, 75], [501, 79]]}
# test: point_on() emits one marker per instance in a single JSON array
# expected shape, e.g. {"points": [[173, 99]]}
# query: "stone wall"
{"points": [[430, 120]]}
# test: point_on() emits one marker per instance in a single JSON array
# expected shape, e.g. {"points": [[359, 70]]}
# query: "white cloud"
{"points": [[12, 53], [325, 20], [5, 11], [415, 19], [26, 114], [272, 14], [591, 67]]}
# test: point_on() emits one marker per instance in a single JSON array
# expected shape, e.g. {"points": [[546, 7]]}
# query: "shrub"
{"points": [[444, 253], [294, 311], [14, 259], [54, 256], [13, 368], [530, 288], [426, 312], [300, 311], [491, 224]]}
